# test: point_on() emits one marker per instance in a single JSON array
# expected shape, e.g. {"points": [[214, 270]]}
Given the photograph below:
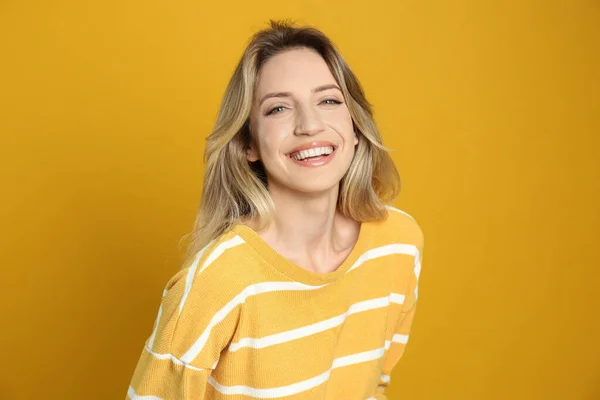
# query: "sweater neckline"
{"points": [[295, 271]]}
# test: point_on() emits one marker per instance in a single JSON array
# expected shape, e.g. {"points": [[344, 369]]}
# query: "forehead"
{"points": [[293, 69]]}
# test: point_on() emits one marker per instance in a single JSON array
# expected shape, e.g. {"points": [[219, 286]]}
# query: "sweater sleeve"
{"points": [[186, 341], [397, 343]]}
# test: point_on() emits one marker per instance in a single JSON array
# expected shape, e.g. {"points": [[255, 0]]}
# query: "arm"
{"points": [[165, 379], [394, 353], [397, 344], [180, 354]]}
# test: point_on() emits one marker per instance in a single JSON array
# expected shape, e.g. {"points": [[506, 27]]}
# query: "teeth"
{"points": [[318, 151]]}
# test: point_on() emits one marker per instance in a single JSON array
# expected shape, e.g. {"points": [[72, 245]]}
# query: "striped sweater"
{"points": [[243, 322]]}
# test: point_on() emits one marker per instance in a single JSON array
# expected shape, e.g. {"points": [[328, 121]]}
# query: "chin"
{"points": [[312, 181], [316, 186]]}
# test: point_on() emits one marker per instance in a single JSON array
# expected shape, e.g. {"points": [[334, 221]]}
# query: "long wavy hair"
{"points": [[235, 189]]}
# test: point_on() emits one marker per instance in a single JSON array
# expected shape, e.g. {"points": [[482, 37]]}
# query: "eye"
{"points": [[274, 110], [332, 101]]}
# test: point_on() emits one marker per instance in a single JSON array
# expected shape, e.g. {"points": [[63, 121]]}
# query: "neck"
{"points": [[307, 223], [308, 229]]}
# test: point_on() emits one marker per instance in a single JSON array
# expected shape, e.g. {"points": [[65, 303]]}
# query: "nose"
{"points": [[308, 121]]}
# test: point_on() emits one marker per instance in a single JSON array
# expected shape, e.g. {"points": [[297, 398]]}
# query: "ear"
{"points": [[355, 136], [251, 154]]}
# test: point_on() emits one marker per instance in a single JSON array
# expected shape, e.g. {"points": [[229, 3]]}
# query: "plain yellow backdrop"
{"points": [[492, 109]]}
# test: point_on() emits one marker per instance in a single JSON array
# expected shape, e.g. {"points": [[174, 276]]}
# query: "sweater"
{"points": [[243, 322]]}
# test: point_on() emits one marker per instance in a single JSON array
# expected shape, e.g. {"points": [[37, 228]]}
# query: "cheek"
{"points": [[270, 138], [341, 121]]}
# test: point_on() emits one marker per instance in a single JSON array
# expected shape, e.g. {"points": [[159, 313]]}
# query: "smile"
{"points": [[313, 154]]}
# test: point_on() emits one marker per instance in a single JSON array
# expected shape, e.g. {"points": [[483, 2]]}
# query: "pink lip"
{"points": [[314, 161], [312, 145]]}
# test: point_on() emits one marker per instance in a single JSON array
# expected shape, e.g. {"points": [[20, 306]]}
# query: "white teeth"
{"points": [[317, 151]]}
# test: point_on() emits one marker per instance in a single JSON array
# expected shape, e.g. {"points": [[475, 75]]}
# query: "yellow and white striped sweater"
{"points": [[243, 322]]}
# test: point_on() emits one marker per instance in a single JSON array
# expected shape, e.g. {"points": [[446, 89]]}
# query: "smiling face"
{"points": [[301, 128]]}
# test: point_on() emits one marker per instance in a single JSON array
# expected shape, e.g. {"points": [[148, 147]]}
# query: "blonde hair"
{"points": [[235, 189]]}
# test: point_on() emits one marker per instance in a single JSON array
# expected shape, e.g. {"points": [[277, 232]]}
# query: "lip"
{"points": [[315, 161], [313, 145]]}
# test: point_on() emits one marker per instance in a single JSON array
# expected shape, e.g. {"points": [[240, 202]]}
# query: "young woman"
{"points": [[301, 282]]}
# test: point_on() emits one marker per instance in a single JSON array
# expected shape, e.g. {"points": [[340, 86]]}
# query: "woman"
{"points": [[301, 283]]}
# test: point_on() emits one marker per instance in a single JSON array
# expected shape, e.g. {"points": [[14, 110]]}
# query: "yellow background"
{"points": [[493, 108]]}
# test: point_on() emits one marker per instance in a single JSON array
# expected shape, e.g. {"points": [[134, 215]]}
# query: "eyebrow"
{"points": [[288, 94]]}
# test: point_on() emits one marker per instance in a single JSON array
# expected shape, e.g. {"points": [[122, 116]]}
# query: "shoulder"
{"points": [[215, 265], [196, 298], [196, 277], [402, 226], [207, 279], [211, 251]]}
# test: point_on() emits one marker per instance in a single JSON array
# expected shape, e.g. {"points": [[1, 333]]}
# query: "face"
{"points": [[301, 128]]}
